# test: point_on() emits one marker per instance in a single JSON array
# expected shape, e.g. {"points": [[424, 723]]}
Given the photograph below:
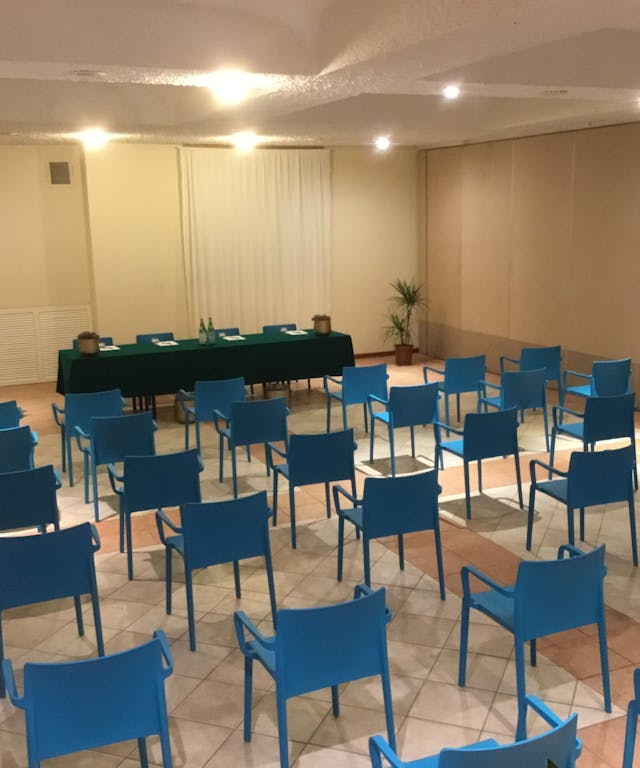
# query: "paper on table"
{"points": [[297, 333], [232, 338], [108, 347], [165, 343]]}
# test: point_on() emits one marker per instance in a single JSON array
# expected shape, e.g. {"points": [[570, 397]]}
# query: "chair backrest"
{"points": [[149, 338], [38, 568], [393, 505], [220, 332], [555, 595], [223, 531], [80, 407], [462, 374], [557, 745], [104, 341], [414, 405], [321, 458], [600, 477], [490, 434], [364, 380], [16, 449], [115, 437], [106, 700], [258, 421], [320, 647], [212, 395], [10, 415], [524, 389], [28, 498], [606, 418], [278, 328], [168, 480], [549, 358], [611, 377]]}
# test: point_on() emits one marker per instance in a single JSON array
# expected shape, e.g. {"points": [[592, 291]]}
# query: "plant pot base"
{"points": [[404, 353]]}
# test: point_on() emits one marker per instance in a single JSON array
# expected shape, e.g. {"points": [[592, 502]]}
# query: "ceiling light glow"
{"points": [[231, 86], [244, 141], [451, 91], [93, 138], [383, 143]]}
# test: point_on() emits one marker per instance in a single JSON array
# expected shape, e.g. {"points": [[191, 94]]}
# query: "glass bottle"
{"points": [[202, 333]]}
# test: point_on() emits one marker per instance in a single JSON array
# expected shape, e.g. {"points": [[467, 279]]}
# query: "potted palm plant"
{"points": [[408, 296]]}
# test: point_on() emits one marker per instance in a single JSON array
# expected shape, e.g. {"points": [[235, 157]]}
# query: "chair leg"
{"points": [[69, 463], [371, 438], [186, 431], [604, 662], [392, 449], [533, 652], [85, 465], [236, 578], [401, 551], [480, 476], [340, 545], [198, 444], [188, 583], [97, 620], [344, 415], [221, 458], [581, 523], [79, 620], [328, 414], [388, 709], [63, 448], [366, 418], [283, 736], [3, 686], [335, 700], [546, 425], [233, 472], [129, 546], [466, 490], [521, 727], [630, 735], [413, 441], [274, 505], [464, 643], [96, 503], [327, 498], [248, 692], [632, 525], [142, 751], [366, 559], [570, 526], [552, 452], [532, 501], [272, 589], [168, 578], [516, 461], [292, 514], [121, 516], [458, 406], [446, 413], [436, 531]]}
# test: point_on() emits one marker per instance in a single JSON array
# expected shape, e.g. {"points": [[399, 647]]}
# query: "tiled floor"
{"points": [[205, 693]]}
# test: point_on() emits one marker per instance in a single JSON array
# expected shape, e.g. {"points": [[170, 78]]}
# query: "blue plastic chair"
{"points": [[602, 477], [209, 396], [355, 387], [318, 648], [392, 506], [251, 422], [221, 332], [560, 745], [109, 440], [532, 358], [632, 722], [522, 390], [38, 568], [461, 374], [607, 379], [313, 459], [406, 407], [154, 482], [549, 596], [28, 499], [604, 418], [72, 706], [10, 414], [103, 341], [16, 449], [77, 412], [485, 436], [215, 533], [278, 328], [149, 338]]}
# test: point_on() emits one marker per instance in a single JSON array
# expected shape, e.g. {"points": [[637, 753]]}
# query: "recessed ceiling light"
{"points": [[451, 91], [244, 141], [382, 143], [232, 86], [93, 138]]}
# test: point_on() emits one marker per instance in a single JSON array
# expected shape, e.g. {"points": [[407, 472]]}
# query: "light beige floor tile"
{"points": [[420, 630], [260, 752], [503, 717], [214, 703], [231, 671], [486, 639], [192, 743], [411, 660], [367, 693], [485, 672], [319, 757], [420, 738], [453, 705], [303, 716], [351, 730], [547, 681], [198, 663]]}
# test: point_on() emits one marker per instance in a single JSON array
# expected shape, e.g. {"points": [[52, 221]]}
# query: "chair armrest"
{"points": [[504, 359], [96, 538], [570, 550], [557, 408], [280, 451], [448, 427], [20, 411], [327, 379], [537, 463], [34, 438], [487, 402], [426, 368], [200, 464], [155, 425], [338, 490], [113, 476], [183, 395], [56, 474], [378, 748], [243, 623], [218, 416], [161, 518], [469, 570], [57, 411], [371, 399], [483, 383], [363, 590], [10, 682], [166, 651], [549, 716], [80, 435], [568, 373]]}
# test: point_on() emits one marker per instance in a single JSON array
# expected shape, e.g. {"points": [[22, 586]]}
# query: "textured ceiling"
{"points": [[338, 71]]}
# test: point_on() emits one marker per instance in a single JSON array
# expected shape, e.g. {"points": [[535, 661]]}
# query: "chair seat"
{"points": [[354, 515], [454, 446], [498, 606], [557, 489], [574, 429], [381, 416], [495, 402], [177, 542], [282, 468], [584, 390], [265, 655], [434, 760]]}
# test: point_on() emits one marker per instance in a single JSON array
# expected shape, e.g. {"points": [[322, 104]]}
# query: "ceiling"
{"points": [[338, 72]]}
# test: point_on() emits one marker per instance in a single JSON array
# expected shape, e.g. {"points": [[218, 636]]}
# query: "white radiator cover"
{"points": [[30, 339]]}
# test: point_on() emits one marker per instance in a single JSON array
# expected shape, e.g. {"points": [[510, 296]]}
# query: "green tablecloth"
{"points": [[146, 369]]}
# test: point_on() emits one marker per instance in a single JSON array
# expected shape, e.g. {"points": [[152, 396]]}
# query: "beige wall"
{"points": [[535, 241], [134, 217], [43, 229], [375, 237]]}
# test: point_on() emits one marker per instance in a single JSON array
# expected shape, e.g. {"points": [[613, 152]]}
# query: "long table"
{"points": [[147, 369]]}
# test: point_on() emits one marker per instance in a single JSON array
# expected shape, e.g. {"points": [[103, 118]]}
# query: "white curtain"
{"points": [[257, 236]]}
